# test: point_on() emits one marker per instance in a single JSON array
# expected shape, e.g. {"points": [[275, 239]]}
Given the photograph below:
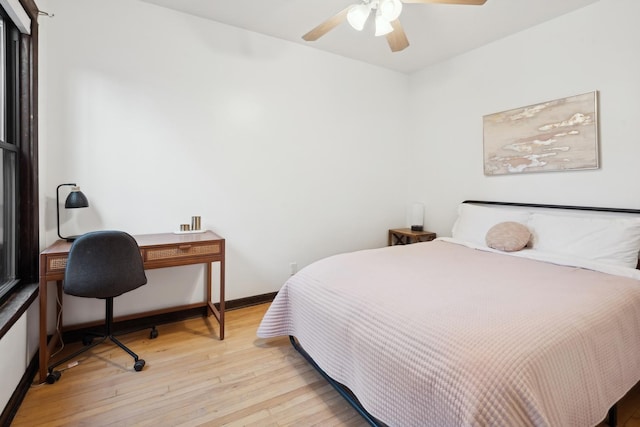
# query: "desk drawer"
{"points": [[178, 251]]}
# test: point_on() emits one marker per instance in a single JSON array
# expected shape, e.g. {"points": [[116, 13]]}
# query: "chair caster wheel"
{"points": [[139, 365], [87, 340], [53, 377], [153, 333]]}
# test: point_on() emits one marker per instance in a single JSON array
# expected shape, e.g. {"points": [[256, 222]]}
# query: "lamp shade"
{"points": [[358, 15], [417, 216], [390, 9], [383, 26], [76, 199]]}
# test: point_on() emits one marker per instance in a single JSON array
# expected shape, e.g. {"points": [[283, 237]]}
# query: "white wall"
{"points": [[13, 359], [17, 348], [290, 153], [594, 48]]}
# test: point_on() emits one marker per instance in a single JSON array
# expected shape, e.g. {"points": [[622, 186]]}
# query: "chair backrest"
{"points": [[103, 264]]}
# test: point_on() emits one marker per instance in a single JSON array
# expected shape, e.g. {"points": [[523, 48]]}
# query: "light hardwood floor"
{"points": [[193, 379]]}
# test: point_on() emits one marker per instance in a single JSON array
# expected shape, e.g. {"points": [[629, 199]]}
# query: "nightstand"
{"points": [[405, 236]]}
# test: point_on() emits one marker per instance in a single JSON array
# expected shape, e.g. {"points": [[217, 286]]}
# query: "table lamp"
{"points": [[75, 199], [417, 217]]}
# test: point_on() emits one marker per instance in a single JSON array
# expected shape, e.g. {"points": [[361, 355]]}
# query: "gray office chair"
{"points": [[103, 264]]}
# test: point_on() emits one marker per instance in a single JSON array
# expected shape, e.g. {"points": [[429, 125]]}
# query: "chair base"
{"points": [[54, 375], [89, 343]]}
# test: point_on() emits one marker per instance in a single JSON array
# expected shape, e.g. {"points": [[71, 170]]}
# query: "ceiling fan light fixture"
{"points": [[383, 26], [390, 9], [358, 15]]}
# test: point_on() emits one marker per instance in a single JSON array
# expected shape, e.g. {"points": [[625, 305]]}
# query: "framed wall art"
{"points": [[556, 135]]}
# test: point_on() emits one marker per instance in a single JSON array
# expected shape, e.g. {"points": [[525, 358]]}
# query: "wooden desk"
{"points": [[158, 251]]}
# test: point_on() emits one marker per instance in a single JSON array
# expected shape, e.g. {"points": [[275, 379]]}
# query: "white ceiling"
{"points": [[435, 31]]}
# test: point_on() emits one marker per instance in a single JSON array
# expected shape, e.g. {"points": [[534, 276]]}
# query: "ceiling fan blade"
{"points": [[327, 25], [467, 2], [397, 39]]}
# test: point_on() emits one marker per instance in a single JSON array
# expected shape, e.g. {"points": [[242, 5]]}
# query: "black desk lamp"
{"points": [[75, 199]]}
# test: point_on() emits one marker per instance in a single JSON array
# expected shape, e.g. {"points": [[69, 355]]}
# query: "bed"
{"points": [[473, 331]]}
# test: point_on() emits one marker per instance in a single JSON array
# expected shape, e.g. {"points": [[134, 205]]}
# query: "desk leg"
{"points": [[43, 350], [59, 314], [222, 299], [208, 283], [218, 313]]}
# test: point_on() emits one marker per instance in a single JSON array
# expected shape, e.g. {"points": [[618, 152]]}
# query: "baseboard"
{"points": [[163, 318], [20, 392], [248, 301]]}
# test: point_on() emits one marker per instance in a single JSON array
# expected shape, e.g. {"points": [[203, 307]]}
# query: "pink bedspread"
{"points": [[438, 334]]}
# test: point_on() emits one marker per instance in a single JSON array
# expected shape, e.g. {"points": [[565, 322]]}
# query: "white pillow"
{"points": [[474, 221], [612, 240]]}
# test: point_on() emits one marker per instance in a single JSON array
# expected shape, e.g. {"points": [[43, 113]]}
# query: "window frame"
{"points": [[23, 110], [10, 146]]}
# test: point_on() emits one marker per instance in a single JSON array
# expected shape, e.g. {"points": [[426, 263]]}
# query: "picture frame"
{"points": [[551, 136]]}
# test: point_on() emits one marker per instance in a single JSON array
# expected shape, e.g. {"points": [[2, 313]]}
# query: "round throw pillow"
{"points": [[508, 236]]}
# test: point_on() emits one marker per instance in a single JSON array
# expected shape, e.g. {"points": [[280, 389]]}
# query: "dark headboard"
{"points": [[538, 205]]}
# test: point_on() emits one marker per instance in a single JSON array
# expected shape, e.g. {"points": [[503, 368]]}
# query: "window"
{"points": [[9, 145], [18, 154]]}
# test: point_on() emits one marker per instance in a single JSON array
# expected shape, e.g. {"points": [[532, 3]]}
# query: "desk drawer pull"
{"points": [[180, 251]]}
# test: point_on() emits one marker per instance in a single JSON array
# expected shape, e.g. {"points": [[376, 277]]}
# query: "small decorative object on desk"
{"points": [[195, 223], [194, 227], [189, 232]]}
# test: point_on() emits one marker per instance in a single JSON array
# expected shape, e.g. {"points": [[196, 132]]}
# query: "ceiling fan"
{"points": [[386, 19]]}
